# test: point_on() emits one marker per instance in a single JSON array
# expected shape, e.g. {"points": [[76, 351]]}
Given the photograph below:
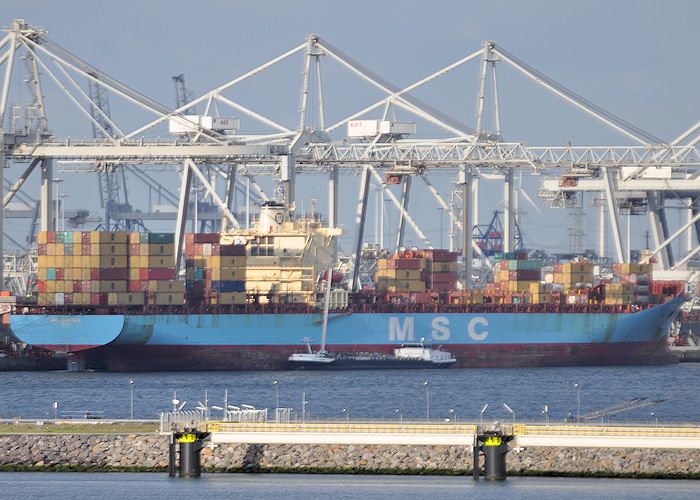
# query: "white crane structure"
{"points": [[210, 140]]}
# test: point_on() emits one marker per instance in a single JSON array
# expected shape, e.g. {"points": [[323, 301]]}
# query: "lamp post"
{"points": [[578, 402], [131, 385], [55, 409], [175, 401], [277, 399], [303, 406], [427, 401], [396, 410], [347, 414], [653, 414], [454, 414], [481, 414], [512, 412], [545, 410]]}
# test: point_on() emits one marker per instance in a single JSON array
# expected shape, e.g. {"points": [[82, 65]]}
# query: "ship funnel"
{"points": [[272, 218]]}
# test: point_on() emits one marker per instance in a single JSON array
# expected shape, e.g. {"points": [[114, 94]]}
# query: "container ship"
{"points": [[112, 301]]}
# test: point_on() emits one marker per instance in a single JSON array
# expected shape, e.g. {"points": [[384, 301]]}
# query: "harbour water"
{"points": [[47, 485], [369, 394]]}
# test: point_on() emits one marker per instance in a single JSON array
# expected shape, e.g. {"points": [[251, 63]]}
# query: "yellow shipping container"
{"points": [[440, 267], [520, 286], [500, 276], [77, 249], [105, 286], [202, 261], [51, 249], [161, 261], [125, 298], [41, 237], [158, 249], [399, 274], [68, 274], [59, 261], [233, 261], [215, 261], [59, 248], [133, 238], [41, 261], [542, 298], [134, 274], [166, 298], [166, 286], [108, 237], [112, 248], [538, 287], [228, 273], [111, 261], [390, 285], [227, 298]]}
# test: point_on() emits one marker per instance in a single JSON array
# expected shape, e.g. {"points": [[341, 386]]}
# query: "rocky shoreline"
{"points": [[149, 452]]}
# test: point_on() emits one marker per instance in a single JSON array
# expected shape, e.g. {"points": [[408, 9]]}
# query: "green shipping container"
{"points": [[50, 273], [157, 238]]}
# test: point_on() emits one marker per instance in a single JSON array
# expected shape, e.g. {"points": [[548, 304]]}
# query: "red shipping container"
{"points": [[99, 299], [207, 238], [67, 298], [85, 238], [41, 286], [138, 286], [559, 268], [59, 273], [441, 277], [76, 286], [50, 236], [442, 287], [161, 273], [524, 275], [143, 274], [41, 249], [231, 250], [116, 273], [86, 248], [189, 251], [198, 249], [521, 255], [207, 274], [189, 239], [439, 255]]}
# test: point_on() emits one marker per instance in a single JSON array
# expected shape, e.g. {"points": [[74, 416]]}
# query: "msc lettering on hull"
{"points": [[402, 329]]}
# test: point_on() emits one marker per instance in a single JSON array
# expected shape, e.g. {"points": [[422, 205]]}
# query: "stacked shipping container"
{"points": [[214, 273], [152, 269]]}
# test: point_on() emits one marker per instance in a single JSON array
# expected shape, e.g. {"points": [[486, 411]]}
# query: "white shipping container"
{"points": [[60, 299], [177, 126], [370, 128], [649, 173]]}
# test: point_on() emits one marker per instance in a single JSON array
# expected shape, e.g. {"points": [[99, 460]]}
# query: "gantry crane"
{"points": [[306, 148]]}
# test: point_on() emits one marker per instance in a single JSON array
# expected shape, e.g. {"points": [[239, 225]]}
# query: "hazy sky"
{"points": [[638, 59]]}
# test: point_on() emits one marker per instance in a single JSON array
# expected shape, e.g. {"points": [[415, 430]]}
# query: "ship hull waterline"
{"points": [[265, 341]]}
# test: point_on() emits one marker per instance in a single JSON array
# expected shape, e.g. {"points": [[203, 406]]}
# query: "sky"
{"points": [[637, 59]]}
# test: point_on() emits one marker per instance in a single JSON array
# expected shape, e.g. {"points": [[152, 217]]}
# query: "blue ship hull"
{"points": [[265, 341]]}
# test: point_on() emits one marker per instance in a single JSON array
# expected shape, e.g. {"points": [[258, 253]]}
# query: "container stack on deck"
{"points": [[440, 273], [515, 274], [214, 273], [81, 267], [401, 274], [152, 269]]}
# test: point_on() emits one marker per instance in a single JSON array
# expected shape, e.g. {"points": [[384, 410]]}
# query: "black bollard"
{"points": [[172, 456], [495, 451], [190, 442]]}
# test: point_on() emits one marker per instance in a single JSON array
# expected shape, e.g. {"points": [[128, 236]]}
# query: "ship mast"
{"points": [[329, 278]]}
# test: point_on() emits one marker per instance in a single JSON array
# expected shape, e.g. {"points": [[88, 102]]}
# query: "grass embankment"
{"points": [[75, 428]]}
